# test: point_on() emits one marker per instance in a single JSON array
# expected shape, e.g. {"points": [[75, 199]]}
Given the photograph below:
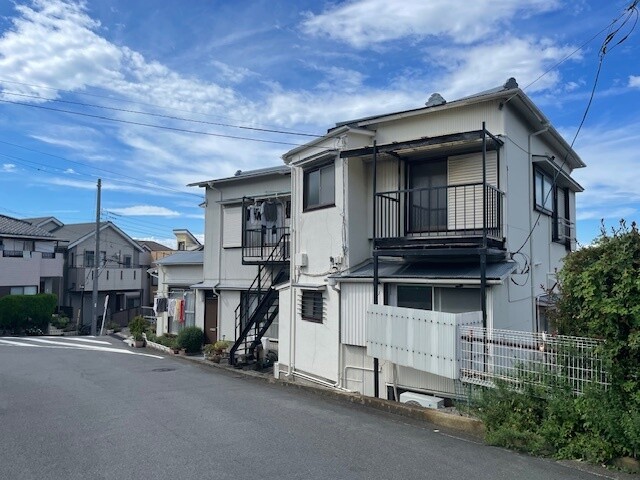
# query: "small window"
{"points": [[181, 246], [543, 192], [89, 258], [312, 306], [126, 261], [319, 187]]}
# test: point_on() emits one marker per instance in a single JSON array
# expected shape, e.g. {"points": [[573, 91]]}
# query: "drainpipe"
{"points": [[545, 127], [293, 232]]}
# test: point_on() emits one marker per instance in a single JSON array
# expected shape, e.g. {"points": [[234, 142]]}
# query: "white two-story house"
{"points": [[246, 256], [461, 209]]}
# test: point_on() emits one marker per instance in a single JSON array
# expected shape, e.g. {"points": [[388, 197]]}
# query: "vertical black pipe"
{"points": [[483, 251], [376, 388]]}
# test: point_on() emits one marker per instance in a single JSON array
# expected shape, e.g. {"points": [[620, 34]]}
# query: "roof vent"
{"points": [[435, 99], [238, 172], [511, 84]]}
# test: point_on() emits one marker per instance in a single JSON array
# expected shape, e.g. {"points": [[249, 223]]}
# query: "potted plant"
{"points": [[137, 327]]}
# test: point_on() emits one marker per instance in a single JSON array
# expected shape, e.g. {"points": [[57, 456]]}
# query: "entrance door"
{"points": [[211, 319]]}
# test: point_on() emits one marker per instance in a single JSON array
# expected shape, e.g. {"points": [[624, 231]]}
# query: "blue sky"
{"points": [[281, 65]]}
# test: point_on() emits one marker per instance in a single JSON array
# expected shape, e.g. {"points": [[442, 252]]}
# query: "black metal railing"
{"points": [[13, 253], [449, 211], [258, 243]]}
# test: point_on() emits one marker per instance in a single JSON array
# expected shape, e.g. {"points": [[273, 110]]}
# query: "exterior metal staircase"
{"points": [[255, 314]]}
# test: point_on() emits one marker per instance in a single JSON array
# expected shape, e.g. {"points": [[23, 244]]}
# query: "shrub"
{"points": [[59, 321], [138, 325], [221, 345], [114, 326], [22, 312], [190, 339]]}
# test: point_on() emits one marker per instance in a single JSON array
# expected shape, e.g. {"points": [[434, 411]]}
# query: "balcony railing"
{"points": [[258, 243], [14, 253], [454, 211]]}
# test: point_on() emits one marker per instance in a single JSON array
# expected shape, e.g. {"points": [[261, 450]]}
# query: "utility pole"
{"points": [[96, 266]]}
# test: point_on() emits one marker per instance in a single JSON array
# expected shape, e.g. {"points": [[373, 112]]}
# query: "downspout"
{"points": [[376, 377], [530, 167], [292, 271]]}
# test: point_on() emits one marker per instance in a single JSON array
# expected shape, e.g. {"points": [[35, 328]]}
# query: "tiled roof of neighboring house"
{"points": [[240, 175], [10, 226], [192, 257], [75, 232], [454, 271], [154, 246]]}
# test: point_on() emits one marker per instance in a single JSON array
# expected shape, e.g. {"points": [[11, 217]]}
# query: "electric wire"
{"points": [[159, 115], [602, 53]]}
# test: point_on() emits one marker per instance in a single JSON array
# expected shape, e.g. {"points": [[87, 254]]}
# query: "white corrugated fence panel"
{"points": [[355, 298], [421, 339]]}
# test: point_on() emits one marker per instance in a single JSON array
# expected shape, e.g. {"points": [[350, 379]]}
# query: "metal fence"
{"points": [[487, 355]]}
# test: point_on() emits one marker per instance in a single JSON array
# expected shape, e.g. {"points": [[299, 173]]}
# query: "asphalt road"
{"points": [[67, 412]]}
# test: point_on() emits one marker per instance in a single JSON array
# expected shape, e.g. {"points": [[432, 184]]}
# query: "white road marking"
{"points": [[13, 342], [82, 339], [70, 346]]}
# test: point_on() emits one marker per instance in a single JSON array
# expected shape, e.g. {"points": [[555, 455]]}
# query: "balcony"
{"points": [[109, 279], [449, 216], [258, 244]]}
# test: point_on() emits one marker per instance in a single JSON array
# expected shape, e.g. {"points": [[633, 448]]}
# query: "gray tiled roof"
{"points": [[10, 226], [154, 246], [73, 232], [183, 258], [240, 175]]}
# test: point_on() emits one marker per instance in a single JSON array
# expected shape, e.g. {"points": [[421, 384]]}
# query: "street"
{"points": [[78, 409]]}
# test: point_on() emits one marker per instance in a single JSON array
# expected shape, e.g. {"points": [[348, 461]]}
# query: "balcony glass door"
{"points": [[428, 196]]}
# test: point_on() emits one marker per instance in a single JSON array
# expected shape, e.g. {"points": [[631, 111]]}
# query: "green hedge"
{"points": [[24, 312], [190, 339]]}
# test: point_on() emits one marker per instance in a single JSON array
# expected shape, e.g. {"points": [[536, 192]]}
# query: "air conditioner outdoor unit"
{"points": [[421, 400]]}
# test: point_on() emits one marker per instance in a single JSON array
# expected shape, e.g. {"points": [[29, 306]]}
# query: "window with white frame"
{"points": [[27, 290], [319, 187], [312, 306], [543, 192]]}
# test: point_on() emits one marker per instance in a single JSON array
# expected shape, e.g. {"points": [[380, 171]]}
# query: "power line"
{"points": [[133, 102], [142, 124], [118, 174], [159, 115]]}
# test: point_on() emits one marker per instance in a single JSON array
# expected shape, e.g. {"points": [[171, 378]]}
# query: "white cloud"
{"points": [[8, 167], [471, 69], [145, 211], [634, 81], [611, 177], [364, 23]]}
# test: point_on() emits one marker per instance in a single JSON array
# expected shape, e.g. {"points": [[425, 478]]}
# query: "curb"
{"points": [[469, 426]]}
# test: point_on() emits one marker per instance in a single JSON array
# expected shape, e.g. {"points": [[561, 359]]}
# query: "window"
{"points": [[415, 296], [312, 306], [543, 192], [126, 261], [29, 290], [88, 258], [181, 245], [319, 187]]}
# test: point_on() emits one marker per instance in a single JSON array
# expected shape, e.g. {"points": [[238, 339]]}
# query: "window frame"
{"points": [[539, 204], [306, 207], [316, 306]]}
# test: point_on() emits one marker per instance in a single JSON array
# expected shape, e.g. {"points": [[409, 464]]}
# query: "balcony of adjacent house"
{"points": [[49, 264], [463, 216], [265, 231], [123, 277]]}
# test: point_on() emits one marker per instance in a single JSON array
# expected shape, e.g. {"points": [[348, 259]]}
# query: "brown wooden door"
{"points": [[211, 319]]}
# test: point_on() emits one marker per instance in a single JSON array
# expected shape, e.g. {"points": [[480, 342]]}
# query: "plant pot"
{"points": [[216, 358], [182, 351], [138, 343], [110, 331]]}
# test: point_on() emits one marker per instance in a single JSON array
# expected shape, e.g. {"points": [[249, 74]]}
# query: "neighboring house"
{"points": [[456, 212], [176, 273], [121, 275], [30, 261], [246, 256], [152, 251], [185, 240]]}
